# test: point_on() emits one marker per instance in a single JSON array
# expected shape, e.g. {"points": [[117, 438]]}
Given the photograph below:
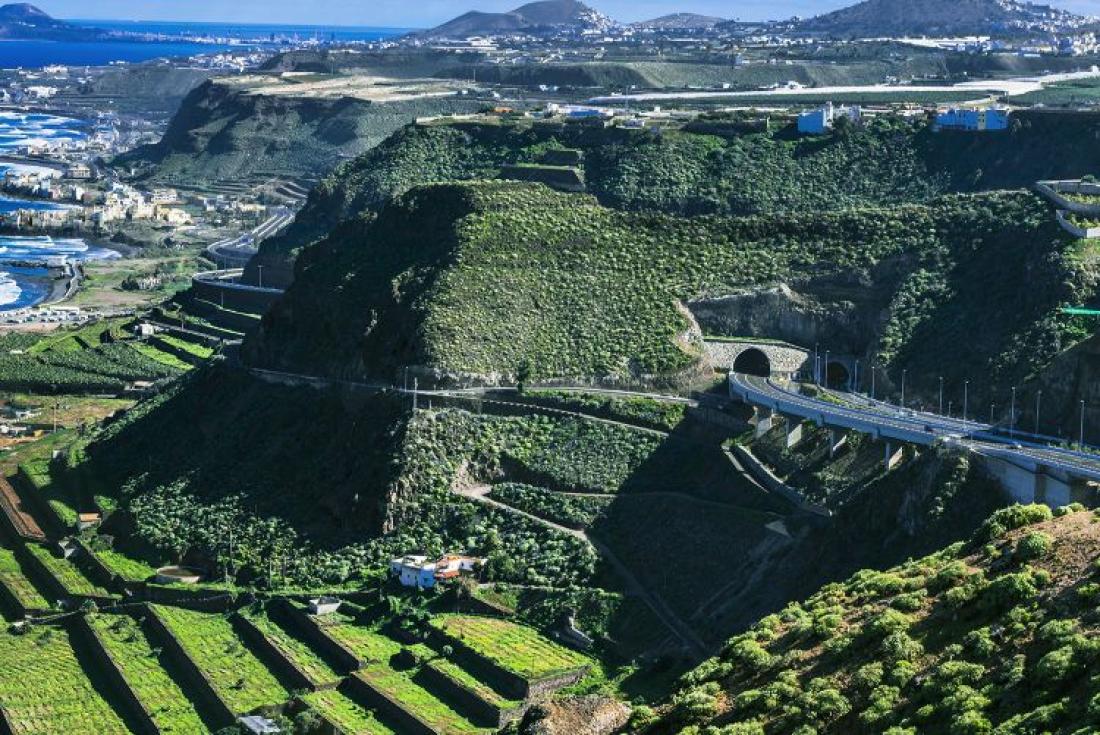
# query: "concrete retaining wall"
{"points": [[364, 692], [483, 711], [308, 628], [772, 483], [208, 697], [1082, 233], [285, 670], [139, 716], [1055, 191]]}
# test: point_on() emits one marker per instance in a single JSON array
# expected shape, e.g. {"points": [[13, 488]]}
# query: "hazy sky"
{"points": [[431, 12]]}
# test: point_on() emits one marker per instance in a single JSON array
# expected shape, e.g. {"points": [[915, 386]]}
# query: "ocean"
{"points": [[31, 54], [21, 285]]}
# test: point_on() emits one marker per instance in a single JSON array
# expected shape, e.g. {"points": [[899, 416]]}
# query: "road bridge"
{"points": [[1031, 472]]}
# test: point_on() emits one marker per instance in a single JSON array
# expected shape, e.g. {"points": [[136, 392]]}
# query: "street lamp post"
{"points": [[817, 366], [966, 397], [903, 374], [260, 269], [992, 409], [1012, 414], [873, 382], [1038, 405], [941, 395], [1081, 432], [826, 369], [855, 379]]}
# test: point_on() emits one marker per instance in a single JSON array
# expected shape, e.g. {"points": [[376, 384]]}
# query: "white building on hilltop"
{"points": [[422, 573]]}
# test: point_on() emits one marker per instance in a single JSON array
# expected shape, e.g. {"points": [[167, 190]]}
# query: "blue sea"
{"points": [[22, 286], [177, 42]]}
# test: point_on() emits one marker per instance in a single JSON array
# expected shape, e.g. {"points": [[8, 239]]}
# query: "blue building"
{"points": [[973, 119], [820, 121]]}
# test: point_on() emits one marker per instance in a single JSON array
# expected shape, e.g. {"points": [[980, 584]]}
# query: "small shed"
{"points": [[324, 605], [258, 725]]}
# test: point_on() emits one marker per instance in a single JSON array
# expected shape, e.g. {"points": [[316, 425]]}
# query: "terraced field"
{"points": [[67, 574], [126, 644], [521, 650], [367, 644], [15, 581], [415, 699], [304, 658], [345, 714], [45, 691], [240, 679]]}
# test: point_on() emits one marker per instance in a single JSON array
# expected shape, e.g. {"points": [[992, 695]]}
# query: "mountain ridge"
{"points": [[938, 17], [536, 17]]}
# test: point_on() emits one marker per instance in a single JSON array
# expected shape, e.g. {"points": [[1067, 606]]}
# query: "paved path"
{"points": [[671, 621]]}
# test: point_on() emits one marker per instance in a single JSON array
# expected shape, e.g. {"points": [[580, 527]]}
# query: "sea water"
{"points": [[25, 285]]}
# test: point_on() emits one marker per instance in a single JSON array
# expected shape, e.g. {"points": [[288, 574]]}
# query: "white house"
{"points": [[418, 571]]}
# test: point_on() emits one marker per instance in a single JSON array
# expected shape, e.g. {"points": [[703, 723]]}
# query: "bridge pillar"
{"points": [[837, 439], [894, 455], [794, 432], [764, 418]]}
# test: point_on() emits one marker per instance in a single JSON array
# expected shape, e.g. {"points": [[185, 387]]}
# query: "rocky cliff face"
{"points": [[224, 133]]}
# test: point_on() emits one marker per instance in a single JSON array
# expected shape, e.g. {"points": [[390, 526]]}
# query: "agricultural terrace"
{"points": [[345, 714], [45, 691], [399, 685], [622, 318], [366, 643], [127, 568], [15, 581], [456, 673], [58, 496], [242, 681], [127, 646], [67, 574], [299, 653], [100, 358], [516, 648]]}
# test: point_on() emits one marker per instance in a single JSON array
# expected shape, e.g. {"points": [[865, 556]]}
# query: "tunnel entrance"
{"points": [[753, 362], [837, 376]]}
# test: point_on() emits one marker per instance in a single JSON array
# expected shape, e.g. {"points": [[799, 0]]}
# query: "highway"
{"points": [[237, 251], [882, 420]]}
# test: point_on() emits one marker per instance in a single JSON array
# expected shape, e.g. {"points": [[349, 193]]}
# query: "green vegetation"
{"points": [[345, 713], [90, 359], [126, 567], [67, 574], [44, 690], [456, 673], [240, 679], [192, 348], [647, 412], [516, 648], [621, 320], [160, 356], [296, 651], [572, 511], [399, 685], [957, 642], [131, 652], [14, 580]]}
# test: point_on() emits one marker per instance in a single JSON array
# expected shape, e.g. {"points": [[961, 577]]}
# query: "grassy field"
{"points": [[241, 679], [298, 652], [128, 568], [14, 579], [418, 700], [103, 285], [139, 662], [74, 581], [346, 714], [44, 690], [366, 643], [516, 648]]}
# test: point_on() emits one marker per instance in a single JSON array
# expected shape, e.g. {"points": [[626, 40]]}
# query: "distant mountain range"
{"points": [[871, 18], [23, 20], [940, 18], [681, 21], [537, 17]]}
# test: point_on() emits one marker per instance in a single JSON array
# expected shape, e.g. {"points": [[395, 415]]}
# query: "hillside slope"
{"points": [[693, 172], [483, 281], [877, 18], [223, 133], [995, 635]]}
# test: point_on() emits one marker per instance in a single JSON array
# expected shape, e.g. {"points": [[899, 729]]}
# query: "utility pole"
{"points": [[1081, 433], [1038, 405], [1012, 415]]}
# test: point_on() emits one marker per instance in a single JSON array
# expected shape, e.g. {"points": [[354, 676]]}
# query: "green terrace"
{"points": [[20, 589], [67, 576], [516, 648], [44, 689], [346, 714], [240, 679], [299, 653], [142, 667]]}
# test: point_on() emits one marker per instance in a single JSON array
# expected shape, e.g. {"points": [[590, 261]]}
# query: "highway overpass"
{"points": [[1031, 472]]}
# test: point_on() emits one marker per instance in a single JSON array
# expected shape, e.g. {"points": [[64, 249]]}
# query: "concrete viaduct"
{"points": [[1029, 472]]}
